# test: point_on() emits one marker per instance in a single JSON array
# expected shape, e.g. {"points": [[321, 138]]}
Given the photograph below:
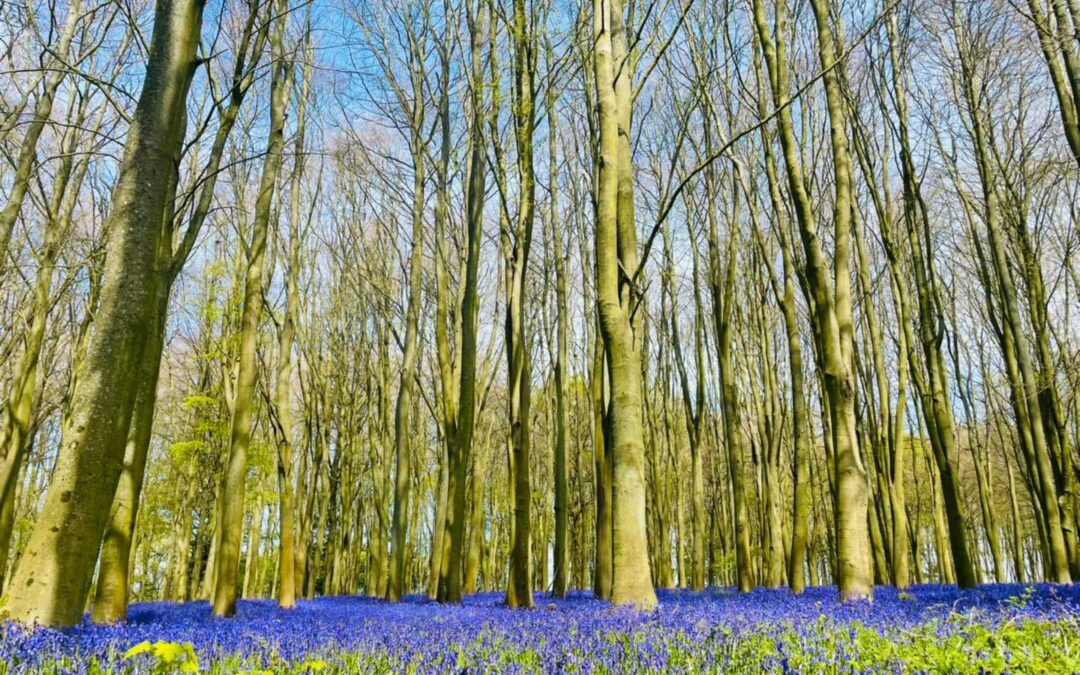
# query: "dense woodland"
{"points": [[440, 296]]}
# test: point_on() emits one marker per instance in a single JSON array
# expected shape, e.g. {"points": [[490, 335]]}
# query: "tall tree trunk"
{"points": [[438, 525], [935, 389], [232, 512], [54, 576], [251, 586], [801, 502], [734, 441], [1018, 541], [693, 404], [516, 243], [1025, 392], [831, 298], [111, 595], [403, 464], [616, 247], [286, 334], [461, 444], [562, 361], [599, 394]]}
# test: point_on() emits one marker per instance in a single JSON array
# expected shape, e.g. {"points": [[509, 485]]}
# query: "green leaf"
{"points": [[140, 648]]}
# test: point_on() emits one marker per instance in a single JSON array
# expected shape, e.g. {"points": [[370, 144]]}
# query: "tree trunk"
{"points": [[562, 361], [232, 513], [54, 577], [403, 470], [1025, 394], [516, 244], [616, 247]]}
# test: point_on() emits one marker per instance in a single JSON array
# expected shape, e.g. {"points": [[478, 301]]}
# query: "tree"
{"points": [[282, 407], [232, 501], [463, 410], [51, 583], [516, 238], [562, 357], [830, 297], [616, 248]]}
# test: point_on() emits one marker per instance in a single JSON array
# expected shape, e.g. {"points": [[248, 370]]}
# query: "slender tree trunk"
{"points": [[232, 513], [251, 586], [801, 502], [460, 445], [693, 404], [403, 469], [516, 245], [287, 331], [438, 525], [934, 388], [1018, 541], [562, 361], [602, 472], [1025, 390], [734, 441], [831, 297]]}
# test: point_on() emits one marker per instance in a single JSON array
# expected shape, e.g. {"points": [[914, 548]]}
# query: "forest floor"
{"points": [[998, 628]]}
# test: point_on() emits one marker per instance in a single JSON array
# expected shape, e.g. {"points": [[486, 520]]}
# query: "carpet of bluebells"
{"points": [[937, 629]]}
